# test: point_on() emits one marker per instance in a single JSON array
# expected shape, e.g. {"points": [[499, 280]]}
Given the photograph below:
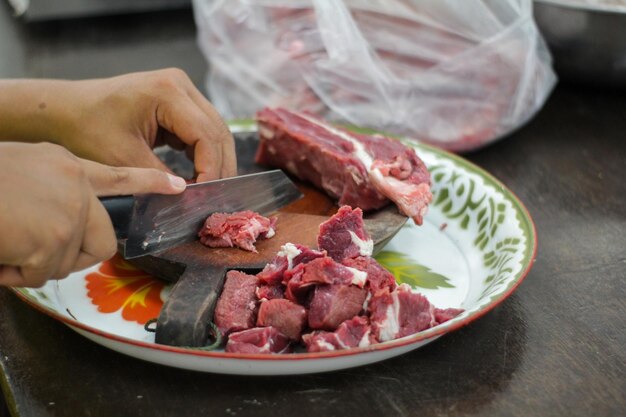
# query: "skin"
{"points": [[118, 121], [89, 139]]}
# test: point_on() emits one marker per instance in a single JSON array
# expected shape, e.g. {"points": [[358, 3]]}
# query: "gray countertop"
{"points": [[555, 347]]}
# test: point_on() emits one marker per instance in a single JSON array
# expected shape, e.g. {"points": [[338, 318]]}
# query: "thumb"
{"points": [[108, 181]]}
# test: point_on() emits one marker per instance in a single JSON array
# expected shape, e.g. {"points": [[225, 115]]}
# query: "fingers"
{"points": [[96, 244], [220, 135], [108, 181], [185, 120], [99, 241], [194, 121], [11, 276]]}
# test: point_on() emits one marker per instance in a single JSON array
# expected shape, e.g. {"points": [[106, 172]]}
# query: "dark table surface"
{"points": [[556, 346]]}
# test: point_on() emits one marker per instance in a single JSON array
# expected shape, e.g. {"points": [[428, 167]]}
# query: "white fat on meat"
{"points": [[270, 233], [358, 277], [366, 247], [289, 251], [359, 150], [367, 301], [390, 326], [324, 344], [365, 340]]}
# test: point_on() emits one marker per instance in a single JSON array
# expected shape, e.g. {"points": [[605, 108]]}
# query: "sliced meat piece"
{"points": [[399, 313], [258, 340], [287, 258], [241, 229], [237, 305], [355, 332], [344, 235], [270, 292], [287, 317], [296, 291], [377, 276], [363, 171], [443, 315], [327, 271], [319, 271], [333, 304]]}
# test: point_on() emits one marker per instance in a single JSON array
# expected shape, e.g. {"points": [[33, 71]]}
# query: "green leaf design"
{"points": [[408, 272]]}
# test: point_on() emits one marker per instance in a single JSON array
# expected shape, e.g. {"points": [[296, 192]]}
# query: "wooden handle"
{"points": [[186, 314]]}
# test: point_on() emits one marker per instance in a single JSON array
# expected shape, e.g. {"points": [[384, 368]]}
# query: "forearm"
{"points": [[35, 110]]}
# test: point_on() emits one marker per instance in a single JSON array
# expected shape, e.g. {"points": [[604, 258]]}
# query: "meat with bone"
{"points": [[287, 317], [363, 171], [237, 306], [241, 229], [344, 235], [355, 332], [258, 340]]}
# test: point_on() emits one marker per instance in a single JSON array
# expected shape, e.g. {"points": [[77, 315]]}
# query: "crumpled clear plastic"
{"points": [[457, 74]]}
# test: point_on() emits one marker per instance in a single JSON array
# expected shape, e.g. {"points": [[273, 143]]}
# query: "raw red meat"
{"points": [[319, 271], [333, 304], [355, 302], [287, 258], [287, 317], [258, 340], [443, 315], [399, 313], [344, 235], [236, 307], [363, 171], [377, 276], [355, 332], [241, 229], [270, 292]]}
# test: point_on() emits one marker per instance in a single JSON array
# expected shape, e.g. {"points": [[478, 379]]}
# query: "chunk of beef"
{"points": [[287, 317], [355, 332], [344, 235], [320, 271], [363, 171], [258, 340], [241, 229], [399, 313], [270, 292], [287, 258], [443, 315], [333, 304], [327, 271], [377, 276], [236, 307]]}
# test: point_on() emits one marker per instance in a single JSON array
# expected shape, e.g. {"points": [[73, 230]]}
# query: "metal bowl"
{"points": [[587, 40]]}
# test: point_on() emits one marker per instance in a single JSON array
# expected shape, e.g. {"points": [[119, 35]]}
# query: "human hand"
{"points": [[118, 121], [51, 220]]}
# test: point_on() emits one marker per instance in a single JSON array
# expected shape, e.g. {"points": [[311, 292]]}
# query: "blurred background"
{"points": [[78, 39]]}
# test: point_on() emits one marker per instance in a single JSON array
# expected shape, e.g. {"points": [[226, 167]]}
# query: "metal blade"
{"points": [[160, 222]]}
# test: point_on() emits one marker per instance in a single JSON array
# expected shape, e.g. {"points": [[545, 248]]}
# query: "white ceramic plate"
{"points": [[476, 245]]}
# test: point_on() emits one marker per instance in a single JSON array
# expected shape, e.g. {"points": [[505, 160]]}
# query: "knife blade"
{"points": [[159, 222]]}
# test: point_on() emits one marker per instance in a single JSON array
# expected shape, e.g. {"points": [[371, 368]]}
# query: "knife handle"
{"points": [[120, 209]]}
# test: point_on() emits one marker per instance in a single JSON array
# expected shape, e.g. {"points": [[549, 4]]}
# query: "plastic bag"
{"points": [[456, 73]]}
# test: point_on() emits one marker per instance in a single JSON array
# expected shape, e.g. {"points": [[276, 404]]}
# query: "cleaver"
{"points": [[152, 223]]}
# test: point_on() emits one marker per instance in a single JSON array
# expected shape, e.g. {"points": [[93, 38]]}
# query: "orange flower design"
{"points": [[118, 285]]}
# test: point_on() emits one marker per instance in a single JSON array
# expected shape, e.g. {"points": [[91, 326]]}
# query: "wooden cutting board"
{"points": [[198, 271]]}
